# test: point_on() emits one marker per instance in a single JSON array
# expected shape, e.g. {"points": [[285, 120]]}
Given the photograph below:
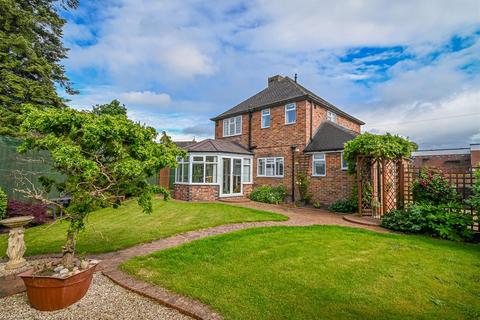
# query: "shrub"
{"points": [[303, 182], [344, 206], [3, 204], [39, 211], [269, 194], [474, 199], [317, 204], [446, 221], [432, 187], [408, 221]]}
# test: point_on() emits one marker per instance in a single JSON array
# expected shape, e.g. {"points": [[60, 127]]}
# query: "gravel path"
{"points": [[104, 300]]}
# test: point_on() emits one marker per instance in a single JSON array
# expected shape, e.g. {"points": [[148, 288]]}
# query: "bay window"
{"points": [[270, 167], [319, 165]]}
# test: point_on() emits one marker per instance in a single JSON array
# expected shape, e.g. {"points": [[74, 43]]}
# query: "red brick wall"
{"points": [[452, 162], [336, 185], [196, 192], [475, 158], [247, 189]]}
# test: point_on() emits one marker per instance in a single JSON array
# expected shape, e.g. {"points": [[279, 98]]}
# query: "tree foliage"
{"points": [[375, 146], [102, 157], [114, 108], [31, 51]]}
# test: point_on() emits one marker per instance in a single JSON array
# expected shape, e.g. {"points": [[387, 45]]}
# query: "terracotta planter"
{"points": [[50, 293]]}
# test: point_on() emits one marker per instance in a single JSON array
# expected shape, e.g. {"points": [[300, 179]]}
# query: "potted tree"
{"points": [[103, 157]]}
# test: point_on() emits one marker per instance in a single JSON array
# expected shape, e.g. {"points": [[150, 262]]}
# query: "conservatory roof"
{"points": [[218, 146]]}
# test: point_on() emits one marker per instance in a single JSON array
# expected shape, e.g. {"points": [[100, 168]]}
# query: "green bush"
{"points": [[474, 199], [269, 194], [344, 206], [3, 204], [317, 204], [446, 221], [408, 221], [432, 187]]}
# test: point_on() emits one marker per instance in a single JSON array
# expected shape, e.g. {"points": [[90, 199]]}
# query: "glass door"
{"points": [[231, 176], [226, 183]]}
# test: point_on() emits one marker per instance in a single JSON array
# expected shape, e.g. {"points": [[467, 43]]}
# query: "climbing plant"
{"points": [[376, 146]]}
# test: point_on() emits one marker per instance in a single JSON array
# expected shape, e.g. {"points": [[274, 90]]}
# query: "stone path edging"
{"points": [[188, 306]]}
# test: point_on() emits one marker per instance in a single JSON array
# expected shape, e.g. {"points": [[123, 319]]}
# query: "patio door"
{"points": [[231, 176]]}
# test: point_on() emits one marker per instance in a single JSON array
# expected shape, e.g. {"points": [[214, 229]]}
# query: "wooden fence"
{"points": [[461, 181]]}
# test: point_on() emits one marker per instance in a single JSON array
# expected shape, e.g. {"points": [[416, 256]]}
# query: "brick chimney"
{"points": [[274, 79], [475, 154]]}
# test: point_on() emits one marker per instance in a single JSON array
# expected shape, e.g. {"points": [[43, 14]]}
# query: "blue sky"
{"points": [[407, 67]]}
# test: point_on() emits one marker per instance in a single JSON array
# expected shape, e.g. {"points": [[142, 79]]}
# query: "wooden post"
{"points": [[359, 186]]}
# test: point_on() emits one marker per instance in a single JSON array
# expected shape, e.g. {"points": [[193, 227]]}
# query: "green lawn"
{"points": [[112, 229], [321, 272]]}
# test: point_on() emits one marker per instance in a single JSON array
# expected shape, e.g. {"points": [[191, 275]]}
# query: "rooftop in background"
{"points": [[217, 146], [281, 90], [460, 159], [330, 137], [184, 144]]}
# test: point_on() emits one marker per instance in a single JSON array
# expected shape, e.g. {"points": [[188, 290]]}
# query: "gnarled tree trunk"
{"points": [[69, 249]]}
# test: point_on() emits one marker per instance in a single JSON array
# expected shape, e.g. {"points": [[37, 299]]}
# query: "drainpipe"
{"points": [[311, 120], [250, 114], [294, 149]]}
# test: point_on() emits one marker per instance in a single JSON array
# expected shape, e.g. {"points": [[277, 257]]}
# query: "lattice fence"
{"points": [[461, 181]]}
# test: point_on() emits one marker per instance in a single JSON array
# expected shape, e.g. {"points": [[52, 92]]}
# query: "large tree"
{"points": [[102, 158], [31, 51]]}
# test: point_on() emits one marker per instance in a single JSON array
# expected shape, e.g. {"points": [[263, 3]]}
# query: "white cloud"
{"points": [[450, 121], [145, 98], [177, 63]]}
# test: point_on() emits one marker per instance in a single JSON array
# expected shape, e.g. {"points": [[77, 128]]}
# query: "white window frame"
{"points": [[190, 169], [341, 162], [331, 116], [250, 178], [324, 160], [288, 107], [265, 112], [270, 160], [180, 166], [226, 126]]}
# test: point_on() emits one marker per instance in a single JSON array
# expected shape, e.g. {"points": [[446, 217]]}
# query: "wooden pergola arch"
{"points": [[380, 184]]}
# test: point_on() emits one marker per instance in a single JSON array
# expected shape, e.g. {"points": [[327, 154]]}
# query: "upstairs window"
{"points": [[232, 126], [266, 118], [270, 167], [290, 113], [331, 116], [319, 165]]}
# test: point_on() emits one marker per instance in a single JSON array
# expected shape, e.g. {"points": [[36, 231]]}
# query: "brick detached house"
{"points": [[266, 140]]}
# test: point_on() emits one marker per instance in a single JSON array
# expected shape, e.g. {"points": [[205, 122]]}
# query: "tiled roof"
{"points": [[211, 145], [184, 144], [330, 137], [281, 91]]}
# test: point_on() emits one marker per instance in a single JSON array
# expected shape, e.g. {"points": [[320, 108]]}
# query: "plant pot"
{"points": [[50, 293]]}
